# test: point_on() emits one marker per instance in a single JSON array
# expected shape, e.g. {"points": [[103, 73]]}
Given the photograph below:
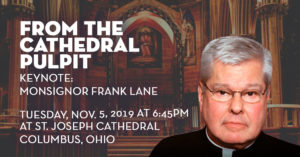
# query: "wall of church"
{"points": [[192, 72]]}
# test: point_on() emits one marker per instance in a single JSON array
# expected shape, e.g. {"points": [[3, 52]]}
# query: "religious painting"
{"points": [[150, 43], [189, 38]]}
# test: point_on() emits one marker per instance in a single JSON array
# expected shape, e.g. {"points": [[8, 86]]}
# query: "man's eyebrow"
{"points": [[220, 85], [255, 85]]}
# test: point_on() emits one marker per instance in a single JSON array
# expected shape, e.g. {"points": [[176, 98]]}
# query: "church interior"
{"points": [[171, 35]]}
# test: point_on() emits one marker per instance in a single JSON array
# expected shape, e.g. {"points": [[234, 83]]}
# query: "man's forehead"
{"points": [[228, 85], [249, 73], [247, 67]]}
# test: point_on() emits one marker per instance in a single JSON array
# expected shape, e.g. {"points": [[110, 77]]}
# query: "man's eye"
{"points": [[251, 93], [221, 92]]}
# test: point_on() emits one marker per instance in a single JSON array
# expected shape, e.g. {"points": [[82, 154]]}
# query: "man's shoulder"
{"points": [[272, 140], [186, 139], [273, 144], [180, 145]]}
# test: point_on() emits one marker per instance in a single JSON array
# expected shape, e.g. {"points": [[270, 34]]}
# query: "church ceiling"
{"points": [[120, 3]]}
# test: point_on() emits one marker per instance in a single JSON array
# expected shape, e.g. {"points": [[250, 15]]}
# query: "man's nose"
{"points": [[236, 105]]}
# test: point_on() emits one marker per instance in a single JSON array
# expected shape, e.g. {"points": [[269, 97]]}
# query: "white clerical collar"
{"points": [[226, 152]]}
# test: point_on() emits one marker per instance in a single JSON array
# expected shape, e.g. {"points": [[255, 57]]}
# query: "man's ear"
{"points": [[200, 95]]}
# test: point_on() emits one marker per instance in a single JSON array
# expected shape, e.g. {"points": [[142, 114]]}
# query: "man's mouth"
{"points": [[234, 126]]}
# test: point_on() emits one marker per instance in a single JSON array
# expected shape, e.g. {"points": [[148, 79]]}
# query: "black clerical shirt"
{"points": [[197, 144]]}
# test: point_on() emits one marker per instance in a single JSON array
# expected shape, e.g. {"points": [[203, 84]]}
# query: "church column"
{"points": [[271, 13], [48, 10], [14, 65], [69, 14], [219, 18], [243, 17], [15, 12]]}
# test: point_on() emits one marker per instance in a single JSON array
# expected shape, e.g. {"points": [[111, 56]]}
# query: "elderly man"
{"points": [[235, 85]]}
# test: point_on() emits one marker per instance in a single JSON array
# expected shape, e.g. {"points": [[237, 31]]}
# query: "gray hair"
{"points": [[234, 50]]}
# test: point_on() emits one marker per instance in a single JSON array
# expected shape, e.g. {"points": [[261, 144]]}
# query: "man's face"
{"points": [[234, 123]]}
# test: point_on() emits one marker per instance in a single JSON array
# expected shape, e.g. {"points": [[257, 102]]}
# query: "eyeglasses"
{"points": [[248, 95]]}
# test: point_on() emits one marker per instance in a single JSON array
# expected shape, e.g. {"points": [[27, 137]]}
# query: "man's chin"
{"points": [[234, 137]]}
